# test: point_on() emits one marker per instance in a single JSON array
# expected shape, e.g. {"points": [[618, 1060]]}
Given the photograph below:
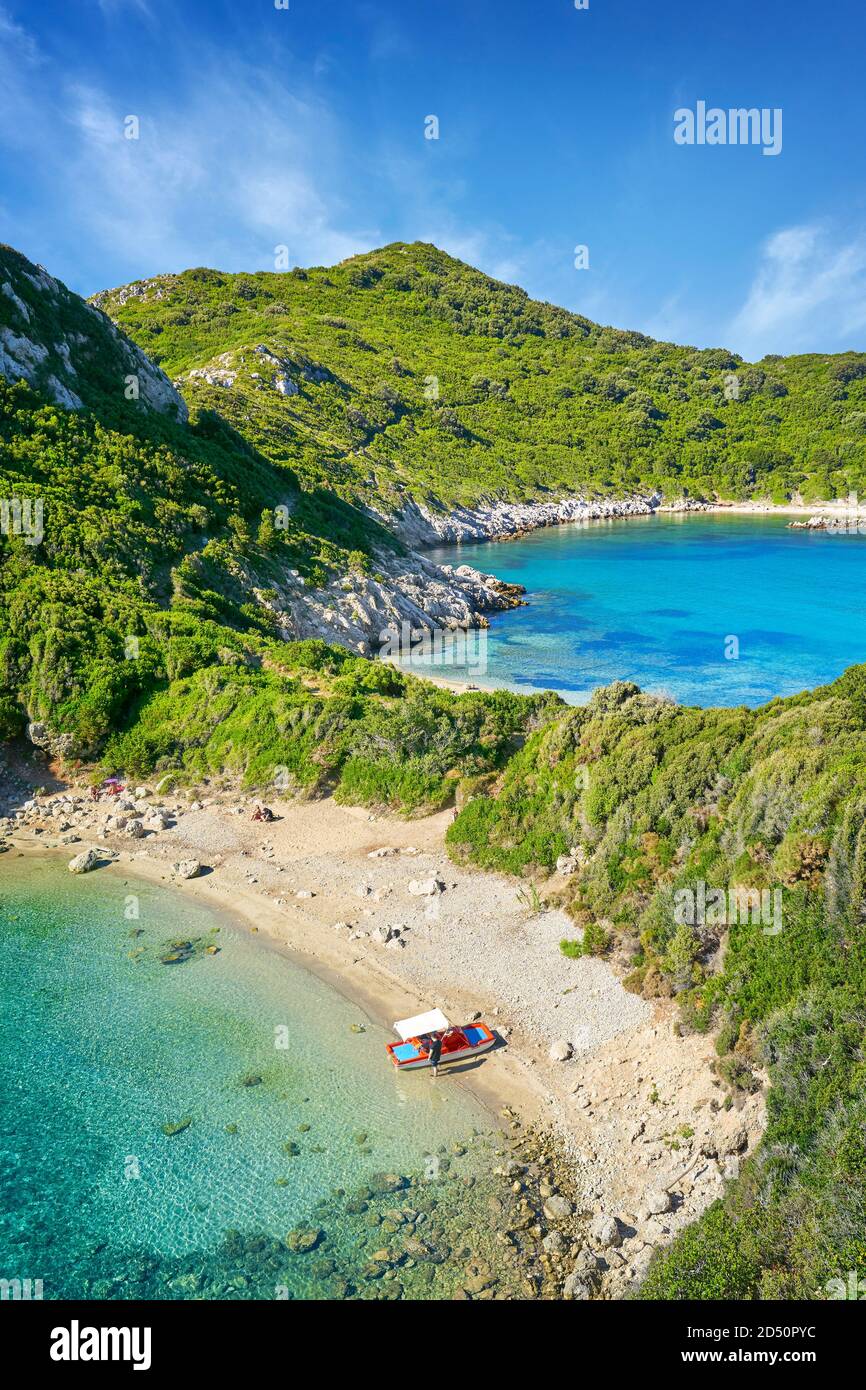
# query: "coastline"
{"points": [[419, 526], [367, 613], [470, 947]]}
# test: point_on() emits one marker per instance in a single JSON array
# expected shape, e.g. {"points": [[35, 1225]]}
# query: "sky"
{"points": [[304, 124]]}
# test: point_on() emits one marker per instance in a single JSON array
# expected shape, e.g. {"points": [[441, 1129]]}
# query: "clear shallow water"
{"points": [[101, 1044], [653, 600]]}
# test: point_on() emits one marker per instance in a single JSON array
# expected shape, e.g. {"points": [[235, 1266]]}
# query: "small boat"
{"points": [[417, 1035]]}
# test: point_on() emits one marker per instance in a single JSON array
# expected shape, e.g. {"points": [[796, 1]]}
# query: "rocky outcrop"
{"points": [[418, 525], [849, 524], [258, 368], [58, 745], [53, 340], [371, 613]]}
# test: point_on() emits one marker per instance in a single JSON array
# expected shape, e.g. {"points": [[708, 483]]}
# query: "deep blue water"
{"points": [[657, 599]]}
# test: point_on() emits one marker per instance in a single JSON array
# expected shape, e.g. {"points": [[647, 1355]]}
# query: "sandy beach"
{"points": [[373, 905]]}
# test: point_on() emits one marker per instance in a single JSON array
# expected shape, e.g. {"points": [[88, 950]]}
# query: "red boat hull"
{"points": [[457, 1045]]}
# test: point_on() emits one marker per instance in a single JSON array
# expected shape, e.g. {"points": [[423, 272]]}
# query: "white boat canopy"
{"points": [[430, 1022]]}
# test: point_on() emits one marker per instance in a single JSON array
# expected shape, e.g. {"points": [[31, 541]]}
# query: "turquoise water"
{"points": [[102, 1045], [655, 600]]}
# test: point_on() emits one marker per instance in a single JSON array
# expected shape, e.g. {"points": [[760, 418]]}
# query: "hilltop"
{"points": [[404, 373]]}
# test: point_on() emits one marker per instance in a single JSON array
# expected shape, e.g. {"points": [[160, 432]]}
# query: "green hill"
{"points": [[406, 371]]}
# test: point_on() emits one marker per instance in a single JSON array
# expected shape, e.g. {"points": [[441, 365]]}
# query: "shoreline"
{"points": [[374, 990], [470, 946], [366, 614], [501, 521], [822, 513]]}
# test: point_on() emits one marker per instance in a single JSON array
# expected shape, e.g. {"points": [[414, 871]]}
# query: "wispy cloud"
{"points": [[229, 164], [15, 38], [808, 294], [112, 8]]}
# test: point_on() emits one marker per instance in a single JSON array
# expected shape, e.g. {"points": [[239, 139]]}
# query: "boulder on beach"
{"points": [[187, 868], [386, 935], [560, 1051], [607, 1232], [84, 862], [576, 1288], [426, 887], [553, 1243]]}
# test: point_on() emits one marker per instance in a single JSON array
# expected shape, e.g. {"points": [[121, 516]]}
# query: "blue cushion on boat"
{"points": [[406, 1052]]}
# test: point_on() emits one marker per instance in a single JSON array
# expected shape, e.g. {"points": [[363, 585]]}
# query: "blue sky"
{"points": [[261, 127]]}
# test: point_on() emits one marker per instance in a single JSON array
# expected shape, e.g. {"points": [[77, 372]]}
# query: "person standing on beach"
{"points": [[435, 1053]]}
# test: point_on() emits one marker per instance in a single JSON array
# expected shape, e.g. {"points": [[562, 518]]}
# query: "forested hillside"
{"points": [[652, 799], [406, 371], [152, 532]]}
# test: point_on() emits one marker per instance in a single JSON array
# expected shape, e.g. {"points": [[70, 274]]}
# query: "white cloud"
{"points": [[234, 167], [231, 162], [808, 294]]}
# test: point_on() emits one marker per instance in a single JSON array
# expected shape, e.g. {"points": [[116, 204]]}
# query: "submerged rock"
{"points": [[303, 1239], [177, 1127], [388, 1182], [178, 952]]}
